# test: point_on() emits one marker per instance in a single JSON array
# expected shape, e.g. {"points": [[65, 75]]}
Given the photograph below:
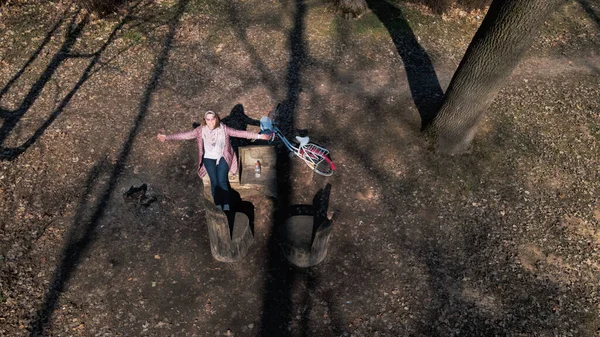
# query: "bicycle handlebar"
{"points": [[273, 114], [277, 107]]}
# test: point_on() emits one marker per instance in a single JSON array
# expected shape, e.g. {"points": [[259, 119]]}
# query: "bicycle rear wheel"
{"points": [[325, 167], [317, 158]]}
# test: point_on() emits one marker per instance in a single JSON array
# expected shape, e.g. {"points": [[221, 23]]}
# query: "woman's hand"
{"points": [[161, 137], [264, 136]]}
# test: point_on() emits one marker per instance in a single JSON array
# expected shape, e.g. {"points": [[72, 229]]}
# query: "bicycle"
{"points": [[316, 157]]}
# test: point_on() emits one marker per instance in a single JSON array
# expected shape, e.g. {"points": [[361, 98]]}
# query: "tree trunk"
{"points": [[351, 9], [506, 33], [230, 234]]}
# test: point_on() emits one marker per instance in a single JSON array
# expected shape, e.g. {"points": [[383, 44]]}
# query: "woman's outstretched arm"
{"points": [[245, 134], [177, 136]]}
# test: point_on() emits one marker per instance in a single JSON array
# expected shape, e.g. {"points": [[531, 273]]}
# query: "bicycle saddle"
{"points": [[302, 140]]}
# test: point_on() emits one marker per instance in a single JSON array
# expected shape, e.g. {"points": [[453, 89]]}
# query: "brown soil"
{"points": [[503, 241]]}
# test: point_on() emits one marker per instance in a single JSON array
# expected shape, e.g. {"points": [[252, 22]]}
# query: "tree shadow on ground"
{"points": [[35, 55], [474, 308], [281, 278], [422, 79], [587, 7], [11, 118], [82, 232], [240, 26], [471, 294]]}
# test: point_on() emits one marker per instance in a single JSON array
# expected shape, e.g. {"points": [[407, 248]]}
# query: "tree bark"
{"points": [[351, 9], [230, 234], [506, 33]]}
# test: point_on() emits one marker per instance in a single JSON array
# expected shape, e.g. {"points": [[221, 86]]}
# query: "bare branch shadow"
{"points": [[31, 59], [239, 26], [12, 117], [81, 235]]}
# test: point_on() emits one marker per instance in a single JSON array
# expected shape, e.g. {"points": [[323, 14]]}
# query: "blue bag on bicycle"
{"points": [[266, 125]]}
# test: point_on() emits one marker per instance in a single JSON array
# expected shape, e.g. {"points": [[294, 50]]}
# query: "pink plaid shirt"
{"points": [[228, 153]]}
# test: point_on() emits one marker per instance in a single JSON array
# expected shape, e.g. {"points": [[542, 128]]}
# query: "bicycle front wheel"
{"points": [[317, 158]]}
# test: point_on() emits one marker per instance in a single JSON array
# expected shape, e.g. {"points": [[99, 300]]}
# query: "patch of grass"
{"points": [[210, 8], [102, 7], [371, 24], [433, 32], [571, 25], [594, 130], [442, 6], [415, 18], [367, 24], [133, 36], [567, 18], [197, 6]]}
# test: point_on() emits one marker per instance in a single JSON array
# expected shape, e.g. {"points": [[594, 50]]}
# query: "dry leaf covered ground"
{"points": [[503, 241]]}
